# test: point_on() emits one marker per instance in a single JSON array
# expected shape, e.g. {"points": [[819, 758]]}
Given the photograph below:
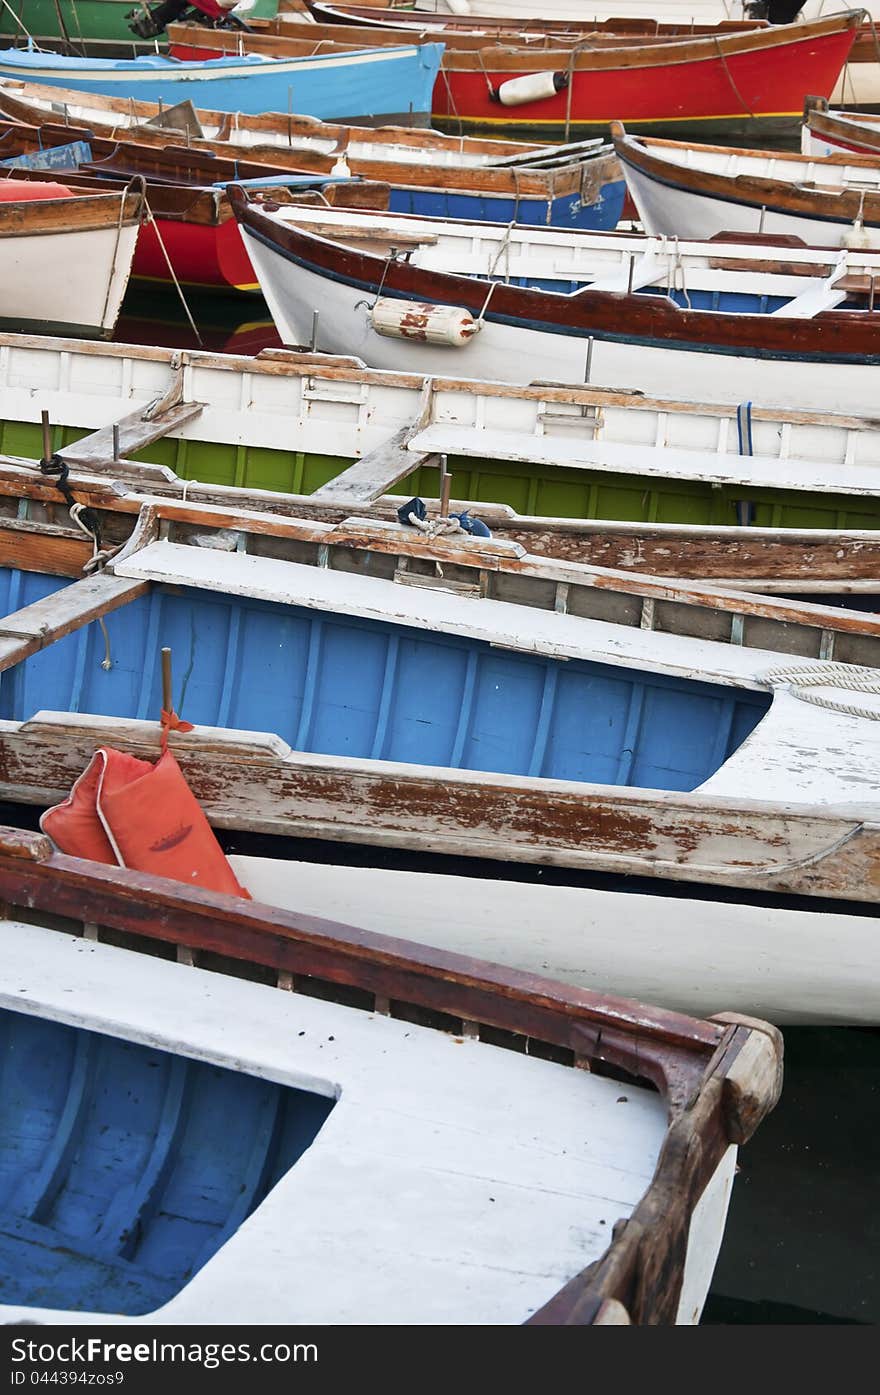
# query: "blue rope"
{"points": [[744, 427]]}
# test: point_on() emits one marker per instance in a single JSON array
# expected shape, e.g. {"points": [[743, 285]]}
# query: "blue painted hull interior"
{"points": [[568, 212], [401, 84], [731, 302], [337, 685], [119, 1174]]}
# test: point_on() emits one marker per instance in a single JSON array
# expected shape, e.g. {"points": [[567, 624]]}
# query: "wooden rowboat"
{"points": [[98, 27], [620, 1222], [702, 190], [858, 85], [746, 82], [800, 966], [826, 133], [419, 293], [387, 85], [838, 565], [189, 233], [604, 13], [579, 185], [525, 27], [43, 234], [464, 732], [587, 474]]}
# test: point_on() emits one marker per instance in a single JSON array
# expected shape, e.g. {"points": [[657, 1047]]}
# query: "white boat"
{"points": [[544, 466], [65, 258], [381, 1170], [439, 297], [703, 191], [666, 11], [826, 131], [793, 967]]}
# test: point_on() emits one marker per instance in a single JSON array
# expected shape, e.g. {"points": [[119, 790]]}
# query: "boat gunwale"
{"points": [[707, 48], [154, 512], [125, 492], [841, 205], [80, 213]]}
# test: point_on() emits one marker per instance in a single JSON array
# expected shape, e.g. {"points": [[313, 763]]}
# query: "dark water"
{"points": [[802, 1243]]}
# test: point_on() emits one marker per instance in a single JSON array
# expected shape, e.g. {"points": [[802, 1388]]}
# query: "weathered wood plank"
{"points": [[754, 559], [35, 626], [378, 471], [257, 783], [43, 547], [135, 432], [250, 929]]}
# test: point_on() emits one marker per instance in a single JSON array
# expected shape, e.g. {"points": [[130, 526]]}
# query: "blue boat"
{"points": [[567, 211], [387, 84], [342, 685], [443, 698], [119, 1174]]}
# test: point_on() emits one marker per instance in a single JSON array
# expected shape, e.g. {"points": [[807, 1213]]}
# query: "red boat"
{"points": [[749, 83]]}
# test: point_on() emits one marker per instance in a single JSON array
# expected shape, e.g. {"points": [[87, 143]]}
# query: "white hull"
{"points": [[69, 280], [788, 967], [454, 1182], [857, 86], [670, 211], [521, 355]]}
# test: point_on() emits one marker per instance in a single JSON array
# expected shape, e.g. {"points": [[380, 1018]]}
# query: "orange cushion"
{"points": [[156, 824], [74, 825]]}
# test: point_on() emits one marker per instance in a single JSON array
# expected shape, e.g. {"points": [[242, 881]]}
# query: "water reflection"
{"points": [[229, 324]]}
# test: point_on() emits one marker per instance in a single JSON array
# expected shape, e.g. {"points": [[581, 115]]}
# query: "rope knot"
{"points": [[169, 722], [55, 465]]}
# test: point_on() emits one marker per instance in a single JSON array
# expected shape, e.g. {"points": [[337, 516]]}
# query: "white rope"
{"points": [[122, 199], [851, 677], [99, 558], [436, 527], [177, 285]]}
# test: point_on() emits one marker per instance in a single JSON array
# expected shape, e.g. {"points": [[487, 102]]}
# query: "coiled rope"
{"points": [[851, 677]]}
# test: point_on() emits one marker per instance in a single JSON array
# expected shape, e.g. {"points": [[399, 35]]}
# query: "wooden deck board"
{"points": [[581, 453], [35, 626], [377, 472], [135, 433]]}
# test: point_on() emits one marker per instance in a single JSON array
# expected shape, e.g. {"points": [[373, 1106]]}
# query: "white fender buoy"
{"points": [[857, 235], [534, 87], [458, 7], [423, 323]]}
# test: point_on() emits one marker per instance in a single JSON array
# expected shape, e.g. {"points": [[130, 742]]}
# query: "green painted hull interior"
{"points": [[87, 19], [560, 493]]}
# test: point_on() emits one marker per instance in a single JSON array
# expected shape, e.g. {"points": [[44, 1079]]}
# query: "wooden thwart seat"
{"points": [[135, 432]]}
